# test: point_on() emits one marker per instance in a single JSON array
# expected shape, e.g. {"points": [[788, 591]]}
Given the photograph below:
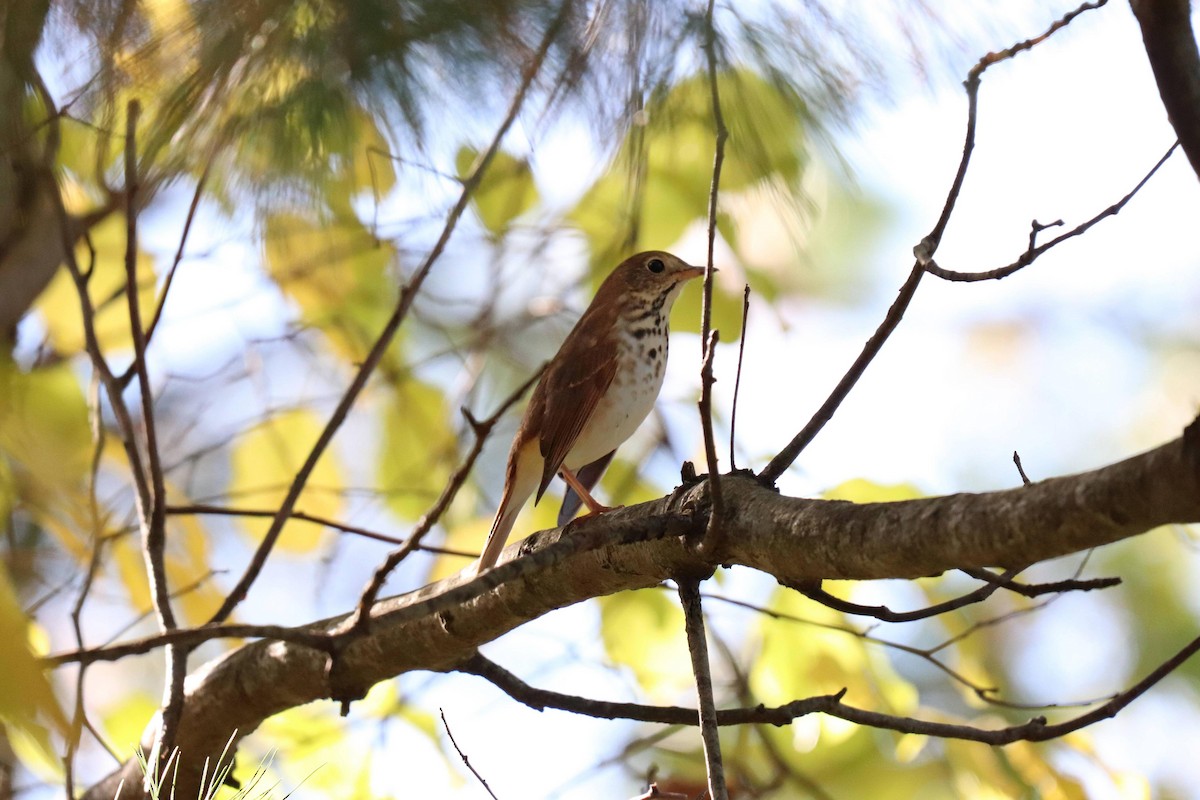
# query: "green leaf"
{"points": [[418, 446], [506, 191], [644, 631], [679, 141]]}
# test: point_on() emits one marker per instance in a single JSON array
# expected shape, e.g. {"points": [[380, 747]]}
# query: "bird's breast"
{"points": [[642, 362]]}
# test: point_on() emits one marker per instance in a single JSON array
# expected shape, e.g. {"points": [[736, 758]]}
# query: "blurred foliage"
{"points": [[332, 136]]}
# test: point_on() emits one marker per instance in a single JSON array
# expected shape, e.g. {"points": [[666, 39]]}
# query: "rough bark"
{"points": [[796, 540]]}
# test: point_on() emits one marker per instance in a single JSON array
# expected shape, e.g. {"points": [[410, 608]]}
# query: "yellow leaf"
{"points": [[372, 165], [336, 272], [418, 446], [45, 449], [266, 460], [28, 706], [126, 552], [860, 490], [59, 304], [506, 191], [125, 722], [910, 746]]}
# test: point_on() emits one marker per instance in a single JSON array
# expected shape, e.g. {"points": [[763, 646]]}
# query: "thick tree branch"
{"points": [[796, 540], [1171, 47]]}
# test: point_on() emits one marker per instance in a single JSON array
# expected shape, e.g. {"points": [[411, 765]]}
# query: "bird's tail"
{"points": [[501, 527]]}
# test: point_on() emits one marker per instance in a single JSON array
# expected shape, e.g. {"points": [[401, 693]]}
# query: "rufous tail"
{"points": [[501, 527]]}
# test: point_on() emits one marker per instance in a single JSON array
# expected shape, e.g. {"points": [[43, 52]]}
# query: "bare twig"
{"points": [[152, 514], [183, 237], [737, 381], [224, 511], [652, 793], [693, 617], [1037, 729], [1038, 589], [192, 637], [1031, 254], [79, 718], [1036, 227], [1020, 469], [358, 622], [988, 694], [399, 314], [746, 697], [465, 759], [885, 614], [924, 253], [714, 536], [712, 542]]}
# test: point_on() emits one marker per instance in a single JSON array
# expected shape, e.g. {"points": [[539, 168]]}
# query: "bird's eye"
{"points": [[655, 265]]}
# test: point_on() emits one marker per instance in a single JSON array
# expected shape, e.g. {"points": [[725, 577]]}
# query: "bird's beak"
{"points": [[692, 272]]}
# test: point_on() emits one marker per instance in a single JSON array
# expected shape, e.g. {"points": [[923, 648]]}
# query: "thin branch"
{"points": [[693, 617], [1020, 469], [714, 535], [1031, 254], [79, 719], [737, 381], [308, 636], [885, 614], [225, 511], [465, 759], [1039, 589], [358, 622], [1036, 729], [399, 314], [988, 694], [152, 516], [183, 237], [153, 525], [924, 252]]}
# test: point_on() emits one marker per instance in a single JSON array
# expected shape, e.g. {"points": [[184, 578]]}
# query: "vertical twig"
{"points": [[399, 314], [77, 720], [693, 620], [737, 381], [713, 536], [152, 510]]}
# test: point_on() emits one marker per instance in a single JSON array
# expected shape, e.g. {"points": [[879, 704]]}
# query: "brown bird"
{"points": [[596, 390]]}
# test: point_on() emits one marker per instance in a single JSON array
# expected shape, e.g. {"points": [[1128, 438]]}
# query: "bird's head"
{"points": [[652, 273]]}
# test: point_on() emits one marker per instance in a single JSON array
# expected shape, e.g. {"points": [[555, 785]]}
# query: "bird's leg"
{"points": [[594, 505]]}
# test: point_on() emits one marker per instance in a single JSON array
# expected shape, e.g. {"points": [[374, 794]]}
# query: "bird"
{"points": [[595, 392]]}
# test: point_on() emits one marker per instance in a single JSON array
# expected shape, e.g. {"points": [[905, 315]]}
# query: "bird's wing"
{"points": [[573, 388]]}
